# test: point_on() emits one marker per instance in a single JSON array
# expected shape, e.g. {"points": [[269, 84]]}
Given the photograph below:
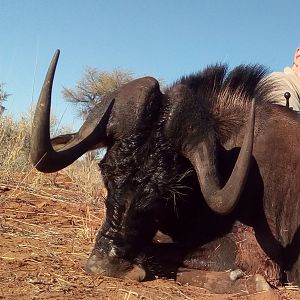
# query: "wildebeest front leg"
{"points": [[223, 282], [218, 255], [214, 267], [232, 264]]}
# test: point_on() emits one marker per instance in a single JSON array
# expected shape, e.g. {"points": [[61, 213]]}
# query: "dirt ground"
{"points": [[46, 235]]}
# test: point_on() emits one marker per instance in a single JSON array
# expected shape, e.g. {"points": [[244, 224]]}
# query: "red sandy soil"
{"points": [[47, 233]]}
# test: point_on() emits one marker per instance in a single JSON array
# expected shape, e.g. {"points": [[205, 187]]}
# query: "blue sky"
{"points": [[164, 38]]}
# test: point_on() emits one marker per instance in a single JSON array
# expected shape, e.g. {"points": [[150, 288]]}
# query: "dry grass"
{"points": [[14, 141], [48, 223], [87, 176], [16, 168]]}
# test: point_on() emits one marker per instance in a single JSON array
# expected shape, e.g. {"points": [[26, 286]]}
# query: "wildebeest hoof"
{"points": [[236, 274], [257, 283], [261, 283]]}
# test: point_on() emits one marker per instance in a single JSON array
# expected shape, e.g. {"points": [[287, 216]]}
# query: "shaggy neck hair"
{"points": [[226, 95]]}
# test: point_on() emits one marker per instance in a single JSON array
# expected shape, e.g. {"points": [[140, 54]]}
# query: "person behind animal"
{"points": [[287, 81]]}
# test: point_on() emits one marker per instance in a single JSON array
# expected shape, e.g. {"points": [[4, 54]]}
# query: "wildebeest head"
{"points": [[147, 134]]}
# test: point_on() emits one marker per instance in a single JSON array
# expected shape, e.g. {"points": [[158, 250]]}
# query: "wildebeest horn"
{"points": [[52, 155], [223, 200]]}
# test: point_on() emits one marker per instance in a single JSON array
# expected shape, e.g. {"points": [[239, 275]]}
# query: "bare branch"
{"points": [[93, 86]]}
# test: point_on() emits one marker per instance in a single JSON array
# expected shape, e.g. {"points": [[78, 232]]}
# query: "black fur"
{"points": [[152, 186], [146, 168]]}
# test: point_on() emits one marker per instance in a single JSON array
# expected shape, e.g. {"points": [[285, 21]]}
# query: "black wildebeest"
{"points": [[201, 163]]}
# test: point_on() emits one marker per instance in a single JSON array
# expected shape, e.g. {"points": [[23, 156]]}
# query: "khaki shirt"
{"points": [[286, 81]]}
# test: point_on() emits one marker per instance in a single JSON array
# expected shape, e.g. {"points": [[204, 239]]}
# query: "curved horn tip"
{"points": [[56, 55], [54, 59]]}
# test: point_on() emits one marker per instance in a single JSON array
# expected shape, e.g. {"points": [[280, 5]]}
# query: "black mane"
{"points": [[218, 86]]}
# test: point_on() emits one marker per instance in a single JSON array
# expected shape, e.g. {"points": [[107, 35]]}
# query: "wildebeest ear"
{"points": [[89, 130], [184, 123], [60, 141], [135, 104], [66, 141], [173, 113]]}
